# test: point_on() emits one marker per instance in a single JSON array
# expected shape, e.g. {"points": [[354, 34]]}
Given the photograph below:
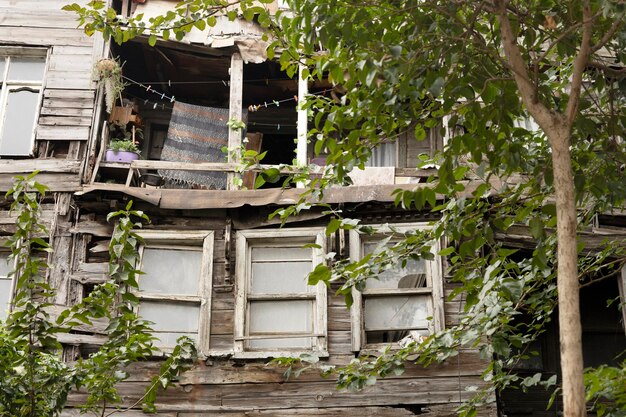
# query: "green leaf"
{"points": [[321, 273], [152, 40]]}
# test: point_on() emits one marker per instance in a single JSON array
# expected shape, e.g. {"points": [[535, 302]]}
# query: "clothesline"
{"points": [[251, 108], [164, 106]]}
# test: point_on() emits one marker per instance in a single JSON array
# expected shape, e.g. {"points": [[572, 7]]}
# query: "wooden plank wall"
{"points": [[67, 109], [222, 386]]}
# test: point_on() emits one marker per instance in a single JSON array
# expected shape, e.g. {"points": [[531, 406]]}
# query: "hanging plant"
{"points": [[108, 72]]}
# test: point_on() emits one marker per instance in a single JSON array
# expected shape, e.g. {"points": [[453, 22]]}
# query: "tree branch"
{"points": [[580, 63], [538, 110], [608, 34]]}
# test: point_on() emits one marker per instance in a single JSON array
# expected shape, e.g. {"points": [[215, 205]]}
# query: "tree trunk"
{"points": [[570, 332]]}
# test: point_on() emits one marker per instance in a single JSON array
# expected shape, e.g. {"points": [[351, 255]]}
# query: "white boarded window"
{"points": [[277, 313], [175, 288], [5, 284], [21, 84], [402, 300]]}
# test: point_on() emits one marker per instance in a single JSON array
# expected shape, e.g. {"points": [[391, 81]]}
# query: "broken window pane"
{"points": [[396, 312], [5, 265], [412, 275], [170, 271]]}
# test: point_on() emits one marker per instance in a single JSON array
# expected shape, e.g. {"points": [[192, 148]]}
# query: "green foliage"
{"points": [[34, 380], [414, 66], [124, 145], [606, 390], [185, 16]]}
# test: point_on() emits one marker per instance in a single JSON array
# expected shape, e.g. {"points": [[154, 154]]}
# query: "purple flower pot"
{"points": [[121, 156]]}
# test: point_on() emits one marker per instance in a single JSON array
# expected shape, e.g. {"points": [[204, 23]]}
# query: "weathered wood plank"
{"points": [[77, 412], [63, 133], [37, 17], [54, 181], [222, 322], [85, 112], [93, 268], [221, 372], [69, 94], [93, 227], [44, 165], [80, 339], [65, 120], [71, 62], [432, 390], [318, 412], [73, 50], [98, 325], [38, 36], [67, 80]]}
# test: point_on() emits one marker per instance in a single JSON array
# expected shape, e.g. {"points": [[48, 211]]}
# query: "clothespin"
{"points": [[251, 108], [172, 99], [278, 127], [148, 88], [277, 103], [224, 82], [267, 82], [295, 98], [265, 104], [145, 102], [169, 83], [154, 107]]}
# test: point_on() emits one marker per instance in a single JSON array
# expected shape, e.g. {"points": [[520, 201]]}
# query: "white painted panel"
{"points": [[281, 316], [280, 253], [170, 271], [168, 316], [5, 290], [27, 68], [168, 339], [280, 277], [19, 122]]}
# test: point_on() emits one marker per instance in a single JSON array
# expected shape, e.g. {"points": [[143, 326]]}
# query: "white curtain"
{"points": [[383, 156]]}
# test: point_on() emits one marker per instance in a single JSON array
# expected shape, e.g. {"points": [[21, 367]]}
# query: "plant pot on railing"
{"points": [[124, 151]]}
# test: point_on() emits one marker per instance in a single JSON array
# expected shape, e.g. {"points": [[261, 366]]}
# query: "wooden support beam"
{"points": [[301, 149], [236, 111]]}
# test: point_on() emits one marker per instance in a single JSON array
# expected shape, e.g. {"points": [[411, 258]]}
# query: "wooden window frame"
{"points": [[7, 53], [246, 239], [6, 309], [434, 286], [198, 241], [621, 285]]}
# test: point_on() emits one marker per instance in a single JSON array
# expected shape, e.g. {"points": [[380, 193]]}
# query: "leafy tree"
{"points": [[34, 379], [486, 66]]}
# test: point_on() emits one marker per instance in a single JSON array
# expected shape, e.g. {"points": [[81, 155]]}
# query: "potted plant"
{"points": [[108, 73], [124, 145], [122, 150]]}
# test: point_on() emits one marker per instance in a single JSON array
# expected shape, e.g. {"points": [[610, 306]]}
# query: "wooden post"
{"points": [[301, 149], [235, 106]]}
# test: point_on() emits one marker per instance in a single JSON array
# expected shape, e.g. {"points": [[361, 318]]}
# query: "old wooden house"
{"points": [[217, 269]]}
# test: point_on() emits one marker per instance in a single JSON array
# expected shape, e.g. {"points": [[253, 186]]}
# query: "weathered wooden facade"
{"points": [[223, 272]]}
